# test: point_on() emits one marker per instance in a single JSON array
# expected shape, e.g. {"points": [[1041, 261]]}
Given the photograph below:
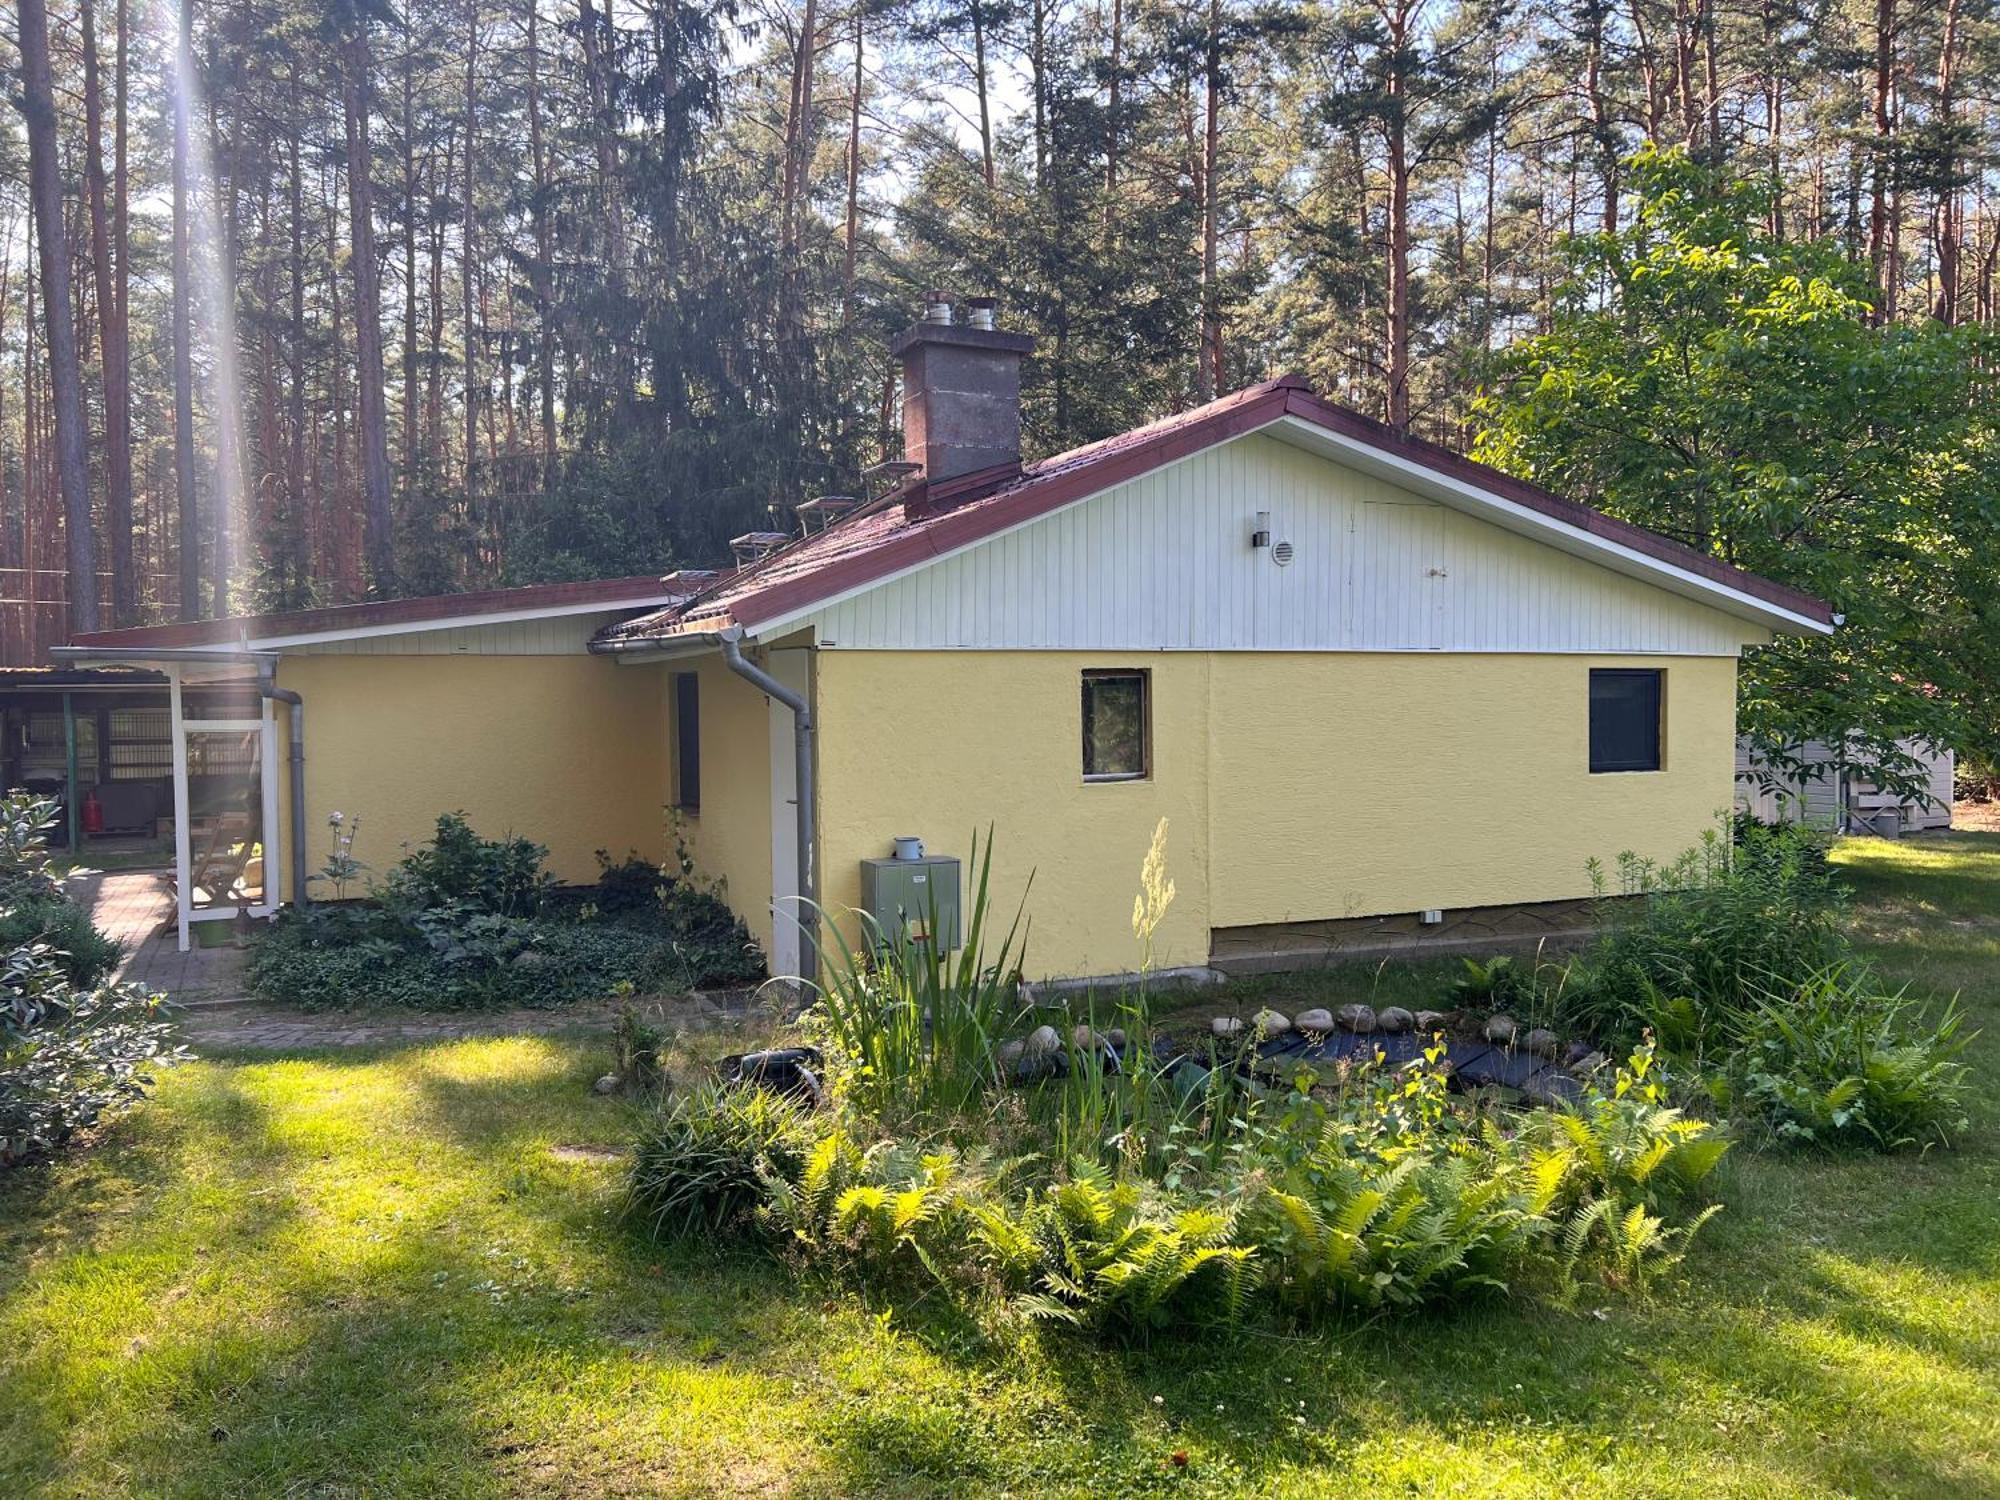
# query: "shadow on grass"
{"points": [[370, 1273]]}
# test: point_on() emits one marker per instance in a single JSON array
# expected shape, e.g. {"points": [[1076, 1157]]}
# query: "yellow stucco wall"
{"points": [[1297, 786], [567, 750]]}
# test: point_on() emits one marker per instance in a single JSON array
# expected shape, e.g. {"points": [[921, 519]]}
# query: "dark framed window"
{"points": [[1117, 725], [687, 741], [1625, 717]]}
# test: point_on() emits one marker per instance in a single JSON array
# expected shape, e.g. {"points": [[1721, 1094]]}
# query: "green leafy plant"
{"points": [[34, 909], [1496, 984], [1836, 1061], [1086, 1253], [1690, 941], [1619, 1164], [1367, 1233], [459, 869], [1629, 1246], [1630, 1144], [705, 1161], [70, 1055], [341, 868], [916, 1031]]}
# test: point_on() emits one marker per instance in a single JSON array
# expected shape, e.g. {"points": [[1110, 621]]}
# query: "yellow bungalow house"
{"points": [[1375, 689]]}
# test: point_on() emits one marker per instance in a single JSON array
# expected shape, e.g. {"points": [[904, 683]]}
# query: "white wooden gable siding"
{"points": [[1165, 563], [559, 635]]}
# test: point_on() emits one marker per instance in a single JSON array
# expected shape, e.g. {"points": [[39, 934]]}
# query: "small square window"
{"points": [[1625, 719], [1117, 732]]}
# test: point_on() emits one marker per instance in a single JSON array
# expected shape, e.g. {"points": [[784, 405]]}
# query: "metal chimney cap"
{"points": [[979, 311], [937, 307]]}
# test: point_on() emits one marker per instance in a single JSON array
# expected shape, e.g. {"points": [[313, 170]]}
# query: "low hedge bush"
{"points": [[57, 923], [468, 923], [72, 1049]]}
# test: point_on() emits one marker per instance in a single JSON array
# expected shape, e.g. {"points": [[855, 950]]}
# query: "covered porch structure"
{"points": [[210, 763]]}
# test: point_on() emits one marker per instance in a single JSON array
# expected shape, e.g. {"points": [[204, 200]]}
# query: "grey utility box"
{"points": [[908, 895]]}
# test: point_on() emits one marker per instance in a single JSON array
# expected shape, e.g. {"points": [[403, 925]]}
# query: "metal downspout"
{"points": [[802, 749], [295, 756]]}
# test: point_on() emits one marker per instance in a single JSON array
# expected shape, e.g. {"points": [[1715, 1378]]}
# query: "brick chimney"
{"points": [[961, 389]]}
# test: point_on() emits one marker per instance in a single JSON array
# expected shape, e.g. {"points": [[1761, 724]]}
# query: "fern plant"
{"points": [[1370, 1234], [1630, 1246], [1630, 1145], [1086, 1253], [1837, 1061]]}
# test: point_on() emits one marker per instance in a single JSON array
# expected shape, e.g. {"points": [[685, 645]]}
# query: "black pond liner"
{"points": [[792, 1071], [1470, 1065]]}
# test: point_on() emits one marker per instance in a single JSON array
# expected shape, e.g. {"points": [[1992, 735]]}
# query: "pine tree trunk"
{"points": [[411, 453], [117, 401], [187, 500], [377, 520], [1878, 215], [1398, 225], [545, 334], [980, 86], [301, 520], [1946, 216], [851, 233], [1208, 378], [468, 269], [38, 107], [119, 423]]}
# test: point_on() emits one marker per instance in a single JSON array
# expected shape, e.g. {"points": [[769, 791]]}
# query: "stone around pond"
{"points": [[1319, 1020], [1501, 1030], [608, 1084], [1228, 1028], [1542, 1042], [1394, 1019], [1359, 1019], [1429, 1021], [1271, 1022]]}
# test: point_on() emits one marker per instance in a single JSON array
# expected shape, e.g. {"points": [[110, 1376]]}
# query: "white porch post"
{"points": [[183, 896]]}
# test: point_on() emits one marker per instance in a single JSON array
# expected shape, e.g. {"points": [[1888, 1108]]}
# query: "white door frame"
{"points": [[264, 726]]}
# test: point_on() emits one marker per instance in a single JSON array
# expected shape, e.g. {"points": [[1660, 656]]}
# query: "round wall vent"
{"points": [[1281, 553]]}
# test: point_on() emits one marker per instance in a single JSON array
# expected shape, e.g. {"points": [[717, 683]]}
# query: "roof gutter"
{"points": [[807, 895], [226, 656], [804, 732], [267, 687]]}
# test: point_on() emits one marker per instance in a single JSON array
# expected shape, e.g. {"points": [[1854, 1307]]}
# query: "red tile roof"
{"points": [[915, 523]]}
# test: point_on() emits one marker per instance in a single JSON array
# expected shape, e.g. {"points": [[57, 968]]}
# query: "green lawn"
{"points": [[376, 1274]]}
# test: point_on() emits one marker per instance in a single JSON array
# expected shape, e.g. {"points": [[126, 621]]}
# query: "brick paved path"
{"points": [[136, 907]]}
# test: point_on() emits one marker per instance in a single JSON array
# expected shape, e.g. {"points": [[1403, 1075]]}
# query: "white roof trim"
{"points": [[412, 627]]}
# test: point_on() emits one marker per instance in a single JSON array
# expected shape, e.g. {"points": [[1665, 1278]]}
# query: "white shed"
{"points": [[1849, 802]]}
